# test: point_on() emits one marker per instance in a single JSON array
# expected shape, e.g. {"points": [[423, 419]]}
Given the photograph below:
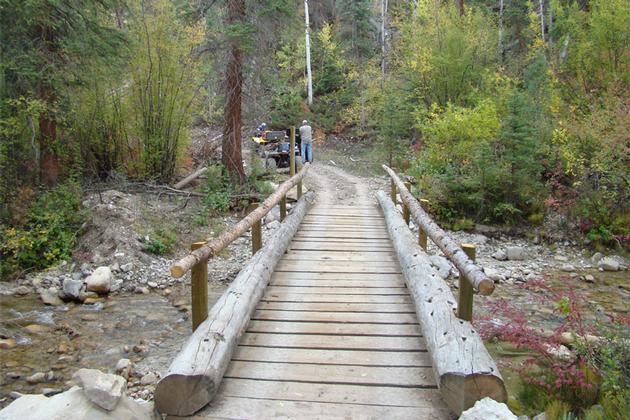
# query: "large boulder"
{"points": [[488, 409], [74, 404], [102, 389], [100, 281]]}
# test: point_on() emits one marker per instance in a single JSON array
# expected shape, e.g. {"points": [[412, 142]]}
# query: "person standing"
{"points": [[306, 134]]}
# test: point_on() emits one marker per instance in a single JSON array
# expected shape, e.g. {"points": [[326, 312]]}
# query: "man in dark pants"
{"points": [[306, 134]]}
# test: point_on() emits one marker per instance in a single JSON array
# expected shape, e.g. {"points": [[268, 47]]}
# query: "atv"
{"points": [[273, 147]]}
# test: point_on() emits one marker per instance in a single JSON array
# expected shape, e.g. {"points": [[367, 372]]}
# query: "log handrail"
{"points": [[475, 275], [217, 244]]}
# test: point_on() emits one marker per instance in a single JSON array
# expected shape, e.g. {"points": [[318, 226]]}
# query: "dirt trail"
{"points": [[335, 186]]}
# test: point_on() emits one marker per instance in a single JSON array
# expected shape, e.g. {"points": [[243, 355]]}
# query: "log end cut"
{"points": [[462, 392], [183, 395]]}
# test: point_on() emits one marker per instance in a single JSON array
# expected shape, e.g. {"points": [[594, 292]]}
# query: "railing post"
{"points": [[256, 235], [299, 189], [465, 305], [393, 192], [283, 208], [422, 235], [406, 213], [292, 152], [199, 289]]}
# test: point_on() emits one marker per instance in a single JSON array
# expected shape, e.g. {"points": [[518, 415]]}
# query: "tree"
{"points": [[45, 43], [232, 155]]}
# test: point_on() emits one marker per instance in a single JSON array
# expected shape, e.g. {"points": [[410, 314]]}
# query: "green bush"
{"points": [[161, 242], [48, 233]]}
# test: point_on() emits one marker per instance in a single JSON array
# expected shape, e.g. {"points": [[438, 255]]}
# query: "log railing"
{"points": [[197, 260], [464, 370], [471, 278]]}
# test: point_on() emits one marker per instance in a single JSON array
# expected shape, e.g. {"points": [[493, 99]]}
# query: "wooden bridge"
{"points": [[339, 315]]}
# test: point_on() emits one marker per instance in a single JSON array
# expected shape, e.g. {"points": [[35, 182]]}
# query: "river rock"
{"points": [[72, 289], [103, 389], [36, 378], [500, 255], [442, 265], [50, 297], [516, 253], [608, 264], [488, 409], [100, 281], [36, 328], [597, 257], [74, 404], [589, 278], [123, 368], [126, 268], [22, 290], [493, 274], [7, 343], [569, 268], [149, 379], [273, 225]]}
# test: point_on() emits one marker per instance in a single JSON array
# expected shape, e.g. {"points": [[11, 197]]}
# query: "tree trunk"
{"points": [[461, 7], [196, 373], [49, 159], [463, 368], [232, 157], [383, 39], [309, 75]]}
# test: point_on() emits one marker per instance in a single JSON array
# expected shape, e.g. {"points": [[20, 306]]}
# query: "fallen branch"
{"points": [[181, 184]]}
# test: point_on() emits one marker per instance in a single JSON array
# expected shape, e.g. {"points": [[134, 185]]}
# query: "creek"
{"points": [[145, 328]]}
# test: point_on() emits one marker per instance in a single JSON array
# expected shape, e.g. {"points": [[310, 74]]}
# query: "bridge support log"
{"points": [[196, 373], [463, 368]]}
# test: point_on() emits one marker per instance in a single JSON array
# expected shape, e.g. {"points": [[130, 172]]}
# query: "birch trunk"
{"points": [[309, 75], [196, 373], [464, 370]]}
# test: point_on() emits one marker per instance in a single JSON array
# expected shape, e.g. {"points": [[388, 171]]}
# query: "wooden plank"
{"points": [[335, 276], [333, 356], [337, 283], [338, 307], [327, 328], [420, 377], [337, 246], [337, 235], [255, 408], [346, 394], [332, 226], [320, 341], [335, 298], [349, 241], [271, 290], [340, 256], [336, 317], [337, 267]]}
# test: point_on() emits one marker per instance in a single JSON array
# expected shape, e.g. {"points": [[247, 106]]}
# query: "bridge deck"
{"points": [[335, 335]]}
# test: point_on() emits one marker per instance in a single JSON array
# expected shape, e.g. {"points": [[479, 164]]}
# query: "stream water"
{"points": [[147, 329]]}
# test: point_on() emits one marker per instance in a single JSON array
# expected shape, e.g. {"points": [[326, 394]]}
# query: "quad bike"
{"points": [[273, 147]]}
